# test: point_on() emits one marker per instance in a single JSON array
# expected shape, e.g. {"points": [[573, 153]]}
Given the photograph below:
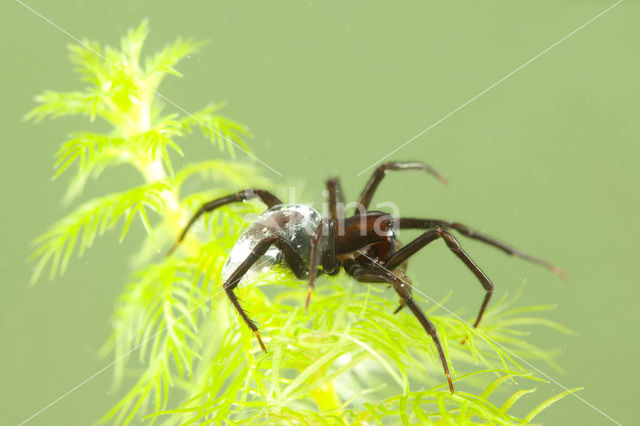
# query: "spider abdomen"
{"points": [[295, 223]]}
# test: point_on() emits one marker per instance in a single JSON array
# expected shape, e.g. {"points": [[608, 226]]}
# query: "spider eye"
{"points": [[390, 224]]}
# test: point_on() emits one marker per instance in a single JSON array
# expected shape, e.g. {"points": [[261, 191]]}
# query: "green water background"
{"points": [[547, 160]]}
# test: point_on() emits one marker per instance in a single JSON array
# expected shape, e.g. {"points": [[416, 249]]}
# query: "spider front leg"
{"points": [[294, 261], [428, 237], [383, 275], [381, 171], [410, 223]]}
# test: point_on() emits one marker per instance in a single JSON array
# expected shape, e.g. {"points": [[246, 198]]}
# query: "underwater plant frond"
{"points": [[163, 62], [346, 367], [89, 64], [154, 142], [90, 150], [92, 153], [60, 104], [220, 130], [434, 406], [78, 230], [152, 386], [157, 314], [131, 46]]}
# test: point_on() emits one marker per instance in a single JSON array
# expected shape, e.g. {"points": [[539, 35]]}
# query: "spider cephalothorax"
{"points": [[363, 244]]}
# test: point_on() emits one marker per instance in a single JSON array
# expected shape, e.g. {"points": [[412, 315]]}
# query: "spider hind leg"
{"points": [[266, 197], [293, 259]]}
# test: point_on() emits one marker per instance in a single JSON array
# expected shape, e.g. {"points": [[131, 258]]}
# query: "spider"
{"points": [[363, 244]]}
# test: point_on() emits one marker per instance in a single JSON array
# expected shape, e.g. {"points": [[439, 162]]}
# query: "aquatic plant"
{"points": [[179, 347]]}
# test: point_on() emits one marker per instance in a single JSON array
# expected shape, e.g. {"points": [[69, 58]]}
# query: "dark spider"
{"points": [[363, 244]]}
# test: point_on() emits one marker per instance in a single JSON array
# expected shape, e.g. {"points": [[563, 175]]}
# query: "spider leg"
{"points": [[403, 289], [327, 227], [291, 257], [409, 223], [379, 173], [336, 198], [330, 263], [407, 280], [428, 237], [265, 196]]}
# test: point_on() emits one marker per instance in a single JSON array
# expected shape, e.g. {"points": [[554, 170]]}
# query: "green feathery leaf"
{"points": [[93, 153], [92, 219], [89, 63], [131, 46], [345, 352], [221, 131], [163, 62], [60, 104], [90, 150], [155, 141]]}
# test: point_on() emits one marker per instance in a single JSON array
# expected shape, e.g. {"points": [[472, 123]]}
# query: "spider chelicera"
{"points": [[363, 244]]}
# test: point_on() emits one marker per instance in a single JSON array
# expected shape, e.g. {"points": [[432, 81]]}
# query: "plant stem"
{"points": [[153, 170]]}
